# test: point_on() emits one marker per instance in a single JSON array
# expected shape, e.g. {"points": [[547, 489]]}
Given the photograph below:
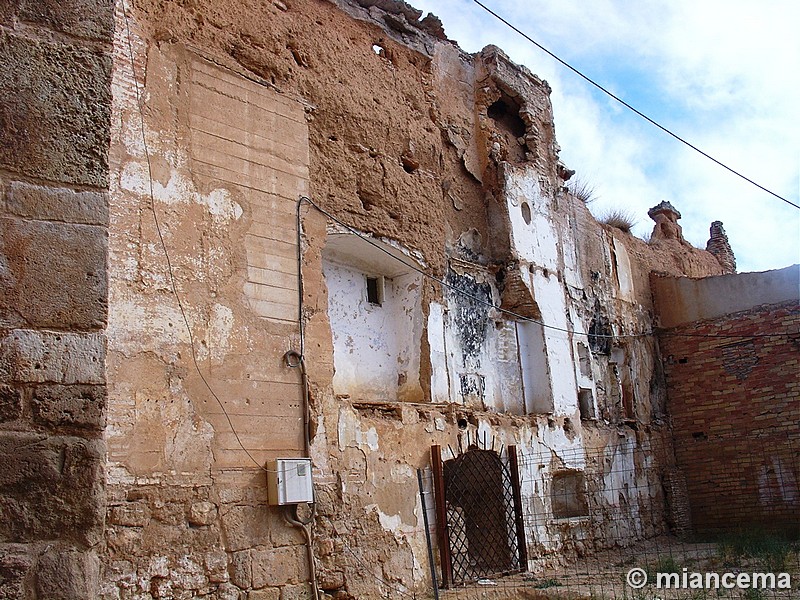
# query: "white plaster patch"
{"points": [[220, 204], [350, 433], [134, 177], [218, 335]]}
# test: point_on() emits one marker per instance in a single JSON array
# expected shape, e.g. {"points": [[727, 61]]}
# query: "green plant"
{"points": [[621, 219], [547, 583], [768, 550]]}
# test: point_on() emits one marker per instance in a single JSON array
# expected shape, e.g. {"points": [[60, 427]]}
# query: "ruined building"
{"points": [[235, 232]]}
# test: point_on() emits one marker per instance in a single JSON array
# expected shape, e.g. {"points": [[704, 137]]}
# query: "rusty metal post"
{"points": [[516, 485], [434, 582], [441, 515]]}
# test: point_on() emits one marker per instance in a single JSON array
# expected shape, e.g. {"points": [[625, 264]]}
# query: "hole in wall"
{"points": [[410, 165], [526, 212], [586, 404], [462, 423], [506, 113]]}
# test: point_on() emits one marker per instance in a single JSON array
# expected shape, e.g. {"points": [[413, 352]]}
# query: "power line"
{"points": [[170, 270], [628, 106], [511, 313]]}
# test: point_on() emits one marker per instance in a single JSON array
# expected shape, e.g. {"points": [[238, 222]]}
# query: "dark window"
{"points": [[375, 290]]}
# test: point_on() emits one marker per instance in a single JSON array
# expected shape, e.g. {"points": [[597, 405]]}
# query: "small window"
{"points": [[375, 290], [586, 404]]}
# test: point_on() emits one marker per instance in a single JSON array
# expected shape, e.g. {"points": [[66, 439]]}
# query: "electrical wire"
{"points": [[511, 313], [170, 270], [630, 107]]}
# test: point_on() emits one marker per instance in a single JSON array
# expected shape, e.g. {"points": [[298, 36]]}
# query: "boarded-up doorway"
{"points": [[479, 515]]}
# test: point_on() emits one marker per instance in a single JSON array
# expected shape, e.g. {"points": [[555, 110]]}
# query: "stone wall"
{"points": [[735, 408], [140, 402], [55, 107]]}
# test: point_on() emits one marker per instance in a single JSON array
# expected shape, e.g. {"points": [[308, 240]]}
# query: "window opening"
{"points": [[586, 404], [375, 286]]}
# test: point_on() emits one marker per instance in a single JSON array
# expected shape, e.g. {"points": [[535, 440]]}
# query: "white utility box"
{"points": [[289, 481]]}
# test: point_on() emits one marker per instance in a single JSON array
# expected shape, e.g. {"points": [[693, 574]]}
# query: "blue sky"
{"points": [[723, 74]]}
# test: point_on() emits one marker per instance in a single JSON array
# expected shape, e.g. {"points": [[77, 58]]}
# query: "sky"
{"points": [[722, 74]]}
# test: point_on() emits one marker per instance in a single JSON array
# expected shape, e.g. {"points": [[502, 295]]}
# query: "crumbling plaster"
{"points": [[400, 143]]}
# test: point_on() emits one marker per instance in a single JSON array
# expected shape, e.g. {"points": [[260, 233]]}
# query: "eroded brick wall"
{"points": [[735, 406], [54, 126]]}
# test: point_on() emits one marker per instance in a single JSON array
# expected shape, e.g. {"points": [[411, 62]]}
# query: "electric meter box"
{"points": [[289, 481]]}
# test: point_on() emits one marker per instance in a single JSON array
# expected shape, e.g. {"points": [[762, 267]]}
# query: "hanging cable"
{"points": [[628, 106], [505, 311]]}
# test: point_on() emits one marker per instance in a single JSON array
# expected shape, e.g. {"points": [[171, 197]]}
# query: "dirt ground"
{"points": [[603, 577]]}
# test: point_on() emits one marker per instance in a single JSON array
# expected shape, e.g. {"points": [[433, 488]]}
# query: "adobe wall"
{"points": [[55, 108], [431, 152], [735, 403], [682, 300]]}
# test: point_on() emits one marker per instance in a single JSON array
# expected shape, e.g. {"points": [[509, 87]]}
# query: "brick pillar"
{"points": [[54, 130]]}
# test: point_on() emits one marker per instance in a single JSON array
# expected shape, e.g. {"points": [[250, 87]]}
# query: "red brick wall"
{"points": [[735, 408]]}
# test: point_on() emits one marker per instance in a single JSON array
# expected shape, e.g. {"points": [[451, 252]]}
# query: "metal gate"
{"points": [[479, 515]]}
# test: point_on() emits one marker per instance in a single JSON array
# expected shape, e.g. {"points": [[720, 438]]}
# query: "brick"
{"points": [[36, 252]]}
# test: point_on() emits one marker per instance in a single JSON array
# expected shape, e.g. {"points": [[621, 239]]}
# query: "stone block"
{"points": [[91, 19], [202, 513], [54, 275], [10, 403], [51, 488], [226, 591], [15, 567], [217, 566], [297, 592], [57, 204], [265, 594], [55, 108], [45, 357], [67, 574], [245, 526], [68, 406], [281, 533], [131, 514], [279, 566], [241, 570]]}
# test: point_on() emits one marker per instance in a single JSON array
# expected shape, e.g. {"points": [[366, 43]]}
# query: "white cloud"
{"points": [[724, 74]]}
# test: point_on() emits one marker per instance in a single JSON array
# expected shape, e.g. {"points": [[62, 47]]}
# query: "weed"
{"points": [[582, 190], [768, 550], [621, 219], [547, 583]]}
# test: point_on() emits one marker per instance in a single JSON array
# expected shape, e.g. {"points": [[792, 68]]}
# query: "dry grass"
{"points": [[582, 190], [621, 219]]}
